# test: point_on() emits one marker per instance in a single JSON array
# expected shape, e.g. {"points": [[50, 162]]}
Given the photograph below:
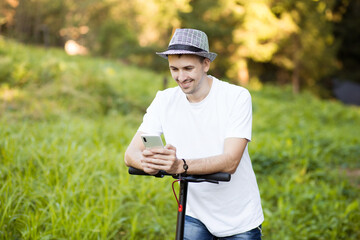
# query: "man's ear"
{"points": [[206, 65]]}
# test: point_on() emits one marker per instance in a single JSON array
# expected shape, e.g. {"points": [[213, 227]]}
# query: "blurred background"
{"points": [[308, 44], [77, 76]]}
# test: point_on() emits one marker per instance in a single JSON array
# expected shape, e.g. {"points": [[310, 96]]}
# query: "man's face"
{"points": [[189, 72]]}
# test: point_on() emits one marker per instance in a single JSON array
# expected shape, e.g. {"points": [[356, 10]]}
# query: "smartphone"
{"points": [[152, 140]]}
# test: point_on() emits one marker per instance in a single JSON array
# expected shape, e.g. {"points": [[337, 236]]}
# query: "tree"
{"points": [[293, 40], [240, 31], [309, 53], [29, 21], [346, 17], [259, 36], [133, 30]]}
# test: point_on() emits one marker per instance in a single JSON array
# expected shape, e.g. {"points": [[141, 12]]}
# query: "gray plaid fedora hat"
{"points": [[188, 41]]}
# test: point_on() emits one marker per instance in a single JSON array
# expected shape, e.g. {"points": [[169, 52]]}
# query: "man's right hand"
{"points": [[147, 155]]}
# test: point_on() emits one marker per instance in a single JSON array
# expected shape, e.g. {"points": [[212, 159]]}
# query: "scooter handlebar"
{"points": [[221, 177]]}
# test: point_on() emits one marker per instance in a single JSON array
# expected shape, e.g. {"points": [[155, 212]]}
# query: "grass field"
{"points": [[65, 123]]}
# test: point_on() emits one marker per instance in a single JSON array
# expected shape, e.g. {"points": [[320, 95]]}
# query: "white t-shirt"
{"points": [[199, 130]]}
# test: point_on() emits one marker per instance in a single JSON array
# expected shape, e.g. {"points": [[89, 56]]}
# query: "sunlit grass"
{"points": [[67, 180]]}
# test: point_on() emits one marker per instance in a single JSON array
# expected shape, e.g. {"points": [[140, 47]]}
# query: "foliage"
{"points": [[62, 174], [239, 31], [294, 40], [347, 31], [32, 22], [308, 54], [294, 36]]}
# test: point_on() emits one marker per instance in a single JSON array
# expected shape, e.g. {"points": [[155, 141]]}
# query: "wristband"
{"points": [[185, 166]]}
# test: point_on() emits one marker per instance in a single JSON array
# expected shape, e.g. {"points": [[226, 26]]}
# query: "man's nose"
{"points": [[182, 76]]}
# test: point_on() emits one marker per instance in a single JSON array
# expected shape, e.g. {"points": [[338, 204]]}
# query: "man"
{"points": [[207, 125]]}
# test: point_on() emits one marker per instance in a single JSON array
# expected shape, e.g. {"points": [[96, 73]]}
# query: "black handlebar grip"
{"points": [[221, 177], [135, 171]]}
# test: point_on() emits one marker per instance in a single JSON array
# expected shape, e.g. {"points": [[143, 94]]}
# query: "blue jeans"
{"points": [[196, 230]]}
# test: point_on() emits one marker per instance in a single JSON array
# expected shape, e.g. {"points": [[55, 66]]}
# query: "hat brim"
{"points": [[208, 55]]}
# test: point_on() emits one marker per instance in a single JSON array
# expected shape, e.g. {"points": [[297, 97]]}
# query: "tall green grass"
{"points": [[67, 180], [65, 123], [301, 149]]}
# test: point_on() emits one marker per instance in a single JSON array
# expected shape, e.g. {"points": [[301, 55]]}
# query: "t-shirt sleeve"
{"points": [[240, 118], [151, 120]]}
